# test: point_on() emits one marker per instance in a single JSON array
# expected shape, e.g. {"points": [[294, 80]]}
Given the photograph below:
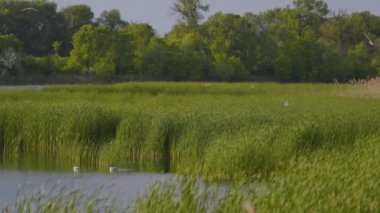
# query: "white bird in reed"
{"points": [[286, 103], [113, 169], [76, 169]]}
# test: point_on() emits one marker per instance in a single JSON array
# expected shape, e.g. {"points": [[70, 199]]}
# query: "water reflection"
{"points": [[34, 162], [122, 187], [29, 173]]}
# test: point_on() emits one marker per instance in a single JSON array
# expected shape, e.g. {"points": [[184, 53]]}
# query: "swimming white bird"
{"points": [[113, 169], [76, 169], [30, 8]]}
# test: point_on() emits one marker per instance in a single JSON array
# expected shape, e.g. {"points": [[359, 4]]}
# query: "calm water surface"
{"points": [[123, 186]]}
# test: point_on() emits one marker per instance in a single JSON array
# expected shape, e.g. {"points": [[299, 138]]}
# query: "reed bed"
{"points": [[369, 88], [296, 137], [221, 131], [61, 199], [344, 180]]}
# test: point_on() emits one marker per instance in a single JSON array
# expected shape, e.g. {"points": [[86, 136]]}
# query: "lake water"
{"points": [[123, 186]]}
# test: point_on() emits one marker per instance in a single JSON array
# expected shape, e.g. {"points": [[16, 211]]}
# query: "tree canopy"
{"points": [[304, 42], [112, 19], [190, 11]]}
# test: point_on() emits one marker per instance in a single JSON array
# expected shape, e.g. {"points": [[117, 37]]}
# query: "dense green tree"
{"points": [[7, 41], [296, 43], [348, 33], [162, 62], [311, 13], [190, 11], [76, 16], [100, 51], [140, 36], [299, 52], [112, 19], [82, 56], [193, 53], [192, 40], [152, 62], [262, 49], [359, 61], [223, 35], [35, 23], [298, 58], [376, 55], [229, 40], [123, 52], [229, 69], [56, 47], [92, 51]]}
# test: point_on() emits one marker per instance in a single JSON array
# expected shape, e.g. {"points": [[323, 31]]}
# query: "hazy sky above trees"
{"points": [[158, 14]]}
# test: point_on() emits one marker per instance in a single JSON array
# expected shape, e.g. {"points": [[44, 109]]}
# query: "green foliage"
{"points": [[50, 128], [310, 13], [7, 41], [36, 28], [45, 65], [61, 199], [224, 35], [249, 121], [56, 47], [185, 195], [229, 69], [160, 61], [112, 19], [298, 43], [359, 61], [187, 39], [326, 181], [76, 16], [140, 37], [105, 66], [153, 60], [190, 11], [99, 51], [297, 59]]}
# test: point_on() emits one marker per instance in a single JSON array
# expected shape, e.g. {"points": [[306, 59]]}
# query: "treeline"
{"points": [[303, 42]]}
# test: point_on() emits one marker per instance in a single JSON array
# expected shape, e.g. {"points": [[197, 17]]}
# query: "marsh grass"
{"points": [[74, 132], [344, 180], [60, 199], [220, 131], [318, 153], [364, 88], [182, 194]]}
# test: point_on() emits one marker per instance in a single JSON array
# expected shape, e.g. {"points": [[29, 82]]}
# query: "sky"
{"points": [[157, 12]]}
